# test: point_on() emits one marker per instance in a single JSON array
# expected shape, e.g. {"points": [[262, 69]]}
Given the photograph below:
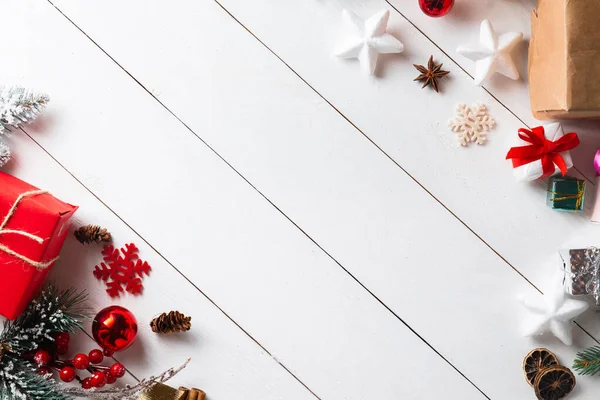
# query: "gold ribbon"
{"points": [[161, 391], [37, 264], [568, 196]]}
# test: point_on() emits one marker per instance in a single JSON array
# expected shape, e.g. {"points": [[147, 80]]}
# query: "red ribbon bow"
{"points": [[542, 149]]}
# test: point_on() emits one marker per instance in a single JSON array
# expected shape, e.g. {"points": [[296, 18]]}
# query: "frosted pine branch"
{"points": [[4, 154], [19, 106]]}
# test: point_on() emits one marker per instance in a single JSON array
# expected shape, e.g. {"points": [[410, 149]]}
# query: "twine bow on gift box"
{"points": [[542, 149], [37, 264]]}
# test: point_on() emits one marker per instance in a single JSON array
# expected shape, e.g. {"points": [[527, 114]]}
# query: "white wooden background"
{"points": [[324, 230]]}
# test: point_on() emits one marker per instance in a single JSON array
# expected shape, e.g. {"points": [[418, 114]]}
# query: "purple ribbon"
{"points": [[597, 162]]}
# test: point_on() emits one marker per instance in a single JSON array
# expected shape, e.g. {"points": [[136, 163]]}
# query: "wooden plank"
{"points": [[214, 227], [341, 190], [464, 22], [225, 361]]}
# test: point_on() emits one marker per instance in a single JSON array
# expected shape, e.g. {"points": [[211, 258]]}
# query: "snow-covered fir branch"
{"points": [[53, 311], [19, 106]]}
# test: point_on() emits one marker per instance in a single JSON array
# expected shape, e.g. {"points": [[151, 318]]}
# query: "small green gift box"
{"points": [[566, 194]]}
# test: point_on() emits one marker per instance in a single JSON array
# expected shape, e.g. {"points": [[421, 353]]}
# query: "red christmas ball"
{"points": [[67, 374], [114, 328], [81, 361], [117, 370], [99, 379], [96, 356], [41, 358], [436, 8]]}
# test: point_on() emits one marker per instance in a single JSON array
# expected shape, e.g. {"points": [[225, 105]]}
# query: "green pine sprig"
{"points": [[587, 361], [53, 311]]}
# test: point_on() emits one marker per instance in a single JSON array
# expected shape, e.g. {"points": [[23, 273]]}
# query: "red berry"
{"points": [[108, 353], [44, 371], [81, 361], [67, 374], [110, 378], [41, 358], [87, 383], [62, 339], [98, 379], [96, 356], [118, 370], [61, 350]]}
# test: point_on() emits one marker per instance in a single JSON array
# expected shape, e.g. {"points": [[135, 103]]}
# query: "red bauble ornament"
{"points": [[117, 370], [96, 356], [41, 358], [81, 361], [98, 379], [114, 328], [436, 8], [67, 374]]}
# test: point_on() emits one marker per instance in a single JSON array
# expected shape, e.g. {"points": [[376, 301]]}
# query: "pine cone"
{"points": [[92, 233], [174, 321]]}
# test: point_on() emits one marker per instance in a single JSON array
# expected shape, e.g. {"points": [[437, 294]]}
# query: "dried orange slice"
{"points": [[535, 361], [554, 383]]}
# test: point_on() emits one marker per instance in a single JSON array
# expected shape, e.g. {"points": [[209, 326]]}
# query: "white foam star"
{"points": [[554, 312], [369, 40], [492, 53]]}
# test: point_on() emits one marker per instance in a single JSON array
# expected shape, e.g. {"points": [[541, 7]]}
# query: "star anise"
{"points": [[430, 74]]}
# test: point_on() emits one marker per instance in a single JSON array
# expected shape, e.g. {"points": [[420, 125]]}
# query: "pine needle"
{"points": [[587, 361]]}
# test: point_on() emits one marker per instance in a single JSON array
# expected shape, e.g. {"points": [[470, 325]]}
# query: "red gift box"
{"points": [[33, 228]]}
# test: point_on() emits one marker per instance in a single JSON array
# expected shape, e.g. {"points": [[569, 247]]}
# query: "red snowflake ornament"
{"points": [[124, 271]]}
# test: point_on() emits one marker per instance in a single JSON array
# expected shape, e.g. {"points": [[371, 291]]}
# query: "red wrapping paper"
{"points": [[41, 215]]}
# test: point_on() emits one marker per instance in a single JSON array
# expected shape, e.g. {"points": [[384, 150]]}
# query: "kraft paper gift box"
{"points": [[564, 59], [33, 228]]}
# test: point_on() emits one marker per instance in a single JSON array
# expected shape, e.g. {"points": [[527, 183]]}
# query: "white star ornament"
{"points": [[492, 53], [369, 39], [554, 312]]}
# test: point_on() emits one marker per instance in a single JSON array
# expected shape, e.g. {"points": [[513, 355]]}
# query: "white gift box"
{"points": [[533, 170]]}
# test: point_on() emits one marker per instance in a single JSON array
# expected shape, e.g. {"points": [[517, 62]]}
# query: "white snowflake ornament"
{"points": [[554, 312], [368, 40], [471, 123], [492, 53]]}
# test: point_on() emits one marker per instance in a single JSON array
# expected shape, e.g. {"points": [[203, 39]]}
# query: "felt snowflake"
{"points": [[471, 123], [122, 272]]}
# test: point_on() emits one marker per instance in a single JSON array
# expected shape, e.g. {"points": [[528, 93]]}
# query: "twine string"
{"points": [[37, 264]]}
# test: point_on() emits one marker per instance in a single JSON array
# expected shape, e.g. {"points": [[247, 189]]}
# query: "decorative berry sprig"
{"points": [[67, 369]]}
